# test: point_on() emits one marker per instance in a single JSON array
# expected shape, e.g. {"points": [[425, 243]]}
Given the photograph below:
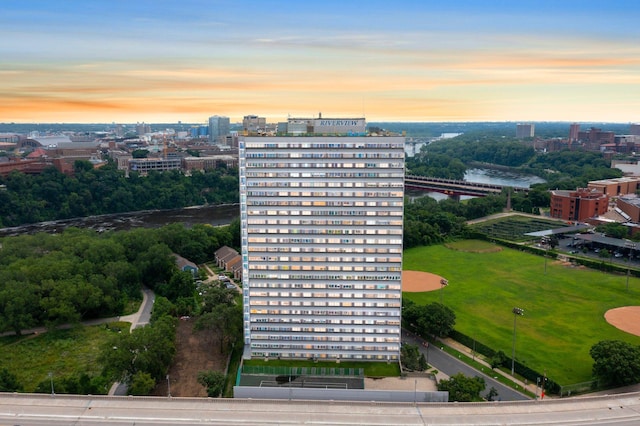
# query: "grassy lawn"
{"points": [[564, 308], [61, 352], [371, 369]]}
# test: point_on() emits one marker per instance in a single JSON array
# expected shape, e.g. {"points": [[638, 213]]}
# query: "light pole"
{"points": [[168, 387], [51, 378], [629, 264], [516, 312], [443, 284]]}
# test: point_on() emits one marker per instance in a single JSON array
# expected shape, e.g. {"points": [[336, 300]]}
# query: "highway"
{"points": [[38, 410]]}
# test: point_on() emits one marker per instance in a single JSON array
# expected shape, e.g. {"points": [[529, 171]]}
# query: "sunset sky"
{"points": [[166, 61]]}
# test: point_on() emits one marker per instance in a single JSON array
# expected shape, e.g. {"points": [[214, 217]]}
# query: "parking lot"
{"points": [[594, 245]]}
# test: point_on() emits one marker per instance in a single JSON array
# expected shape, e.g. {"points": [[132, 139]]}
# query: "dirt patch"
{"points": [[626, 318], [195, 352], [417, 281]]}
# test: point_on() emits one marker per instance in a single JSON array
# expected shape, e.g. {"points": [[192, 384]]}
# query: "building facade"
{"points": [[616, 186], [254, 124], [578, 205], [321, 228], [525, 131], [218, 126], [594, 137], [630, 206], [574, 131]]}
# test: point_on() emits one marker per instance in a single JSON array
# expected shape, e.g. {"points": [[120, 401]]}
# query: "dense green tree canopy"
{"points": [[79, 274], [53, 195], [616, 363], [213, 381], [9, 382], [435, 318], [149, 349], [462, 388]]}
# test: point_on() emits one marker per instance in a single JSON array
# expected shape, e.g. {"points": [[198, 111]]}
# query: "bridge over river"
{"points": [[456, 188]]}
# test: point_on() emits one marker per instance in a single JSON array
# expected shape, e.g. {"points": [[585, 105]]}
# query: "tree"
{"points": [[614, 230], [500, 358], [411, 358], [436, 319], [141, 384], [493, 392], [462, 388], [148, 349], [9, 382], [216, 296], [162, 307], [616, 363], [180, 285], [18, 305], [139, 153], [226, 320], [213, 381]]}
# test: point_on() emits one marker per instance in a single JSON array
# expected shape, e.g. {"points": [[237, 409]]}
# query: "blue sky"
{"points": [[128, 61]]}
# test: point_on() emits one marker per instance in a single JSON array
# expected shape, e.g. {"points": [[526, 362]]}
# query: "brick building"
{"points": [[578, 205]]}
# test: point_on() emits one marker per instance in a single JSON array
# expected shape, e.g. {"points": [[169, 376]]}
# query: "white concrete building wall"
{"points": [[322, 222]]}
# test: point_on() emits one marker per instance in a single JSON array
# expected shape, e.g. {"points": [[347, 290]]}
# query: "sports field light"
{"points": [[516, 312]]}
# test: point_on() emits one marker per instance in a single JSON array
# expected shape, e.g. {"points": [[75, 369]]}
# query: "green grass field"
{"points": [[61, 352], [564, 308]]}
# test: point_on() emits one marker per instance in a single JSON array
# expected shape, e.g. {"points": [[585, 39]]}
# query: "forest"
{"points": [[53, 195], [53, 279]]}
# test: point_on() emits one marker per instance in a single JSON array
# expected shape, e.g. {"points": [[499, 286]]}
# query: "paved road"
{"points": [[450, 366], [32, 410], [138, 319]]}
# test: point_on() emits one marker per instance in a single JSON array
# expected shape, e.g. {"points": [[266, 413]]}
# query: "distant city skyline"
{"points": [[164, 61]]}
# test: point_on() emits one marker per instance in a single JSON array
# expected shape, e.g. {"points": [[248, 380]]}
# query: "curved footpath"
{"points": [[137, 319]]}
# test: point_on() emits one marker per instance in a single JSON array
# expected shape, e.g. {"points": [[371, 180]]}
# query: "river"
{"points": [[491, 176], [215, 215]]}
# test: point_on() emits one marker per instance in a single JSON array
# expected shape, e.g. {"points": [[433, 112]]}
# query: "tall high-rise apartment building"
{"points": [[574, 132], [525, 131], [218, 126], [321, 228]]}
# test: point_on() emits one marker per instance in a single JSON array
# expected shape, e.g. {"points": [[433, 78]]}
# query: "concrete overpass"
{"points": [[32, 410], [456, 187]]}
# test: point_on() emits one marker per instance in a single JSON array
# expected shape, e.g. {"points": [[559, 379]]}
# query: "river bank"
{"points": [[214, 215]]}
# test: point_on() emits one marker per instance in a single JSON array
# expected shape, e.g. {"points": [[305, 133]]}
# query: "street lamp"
{"points": [[51, 378], [168, 387], [516, 312], [443, 284]]}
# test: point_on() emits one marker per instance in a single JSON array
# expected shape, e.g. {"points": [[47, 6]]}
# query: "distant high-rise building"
{"points": [[594, 137], [321, 228], [574, 131], [142, 128], [634, 129], [254, 124], [525, 131], [218, 126]]}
